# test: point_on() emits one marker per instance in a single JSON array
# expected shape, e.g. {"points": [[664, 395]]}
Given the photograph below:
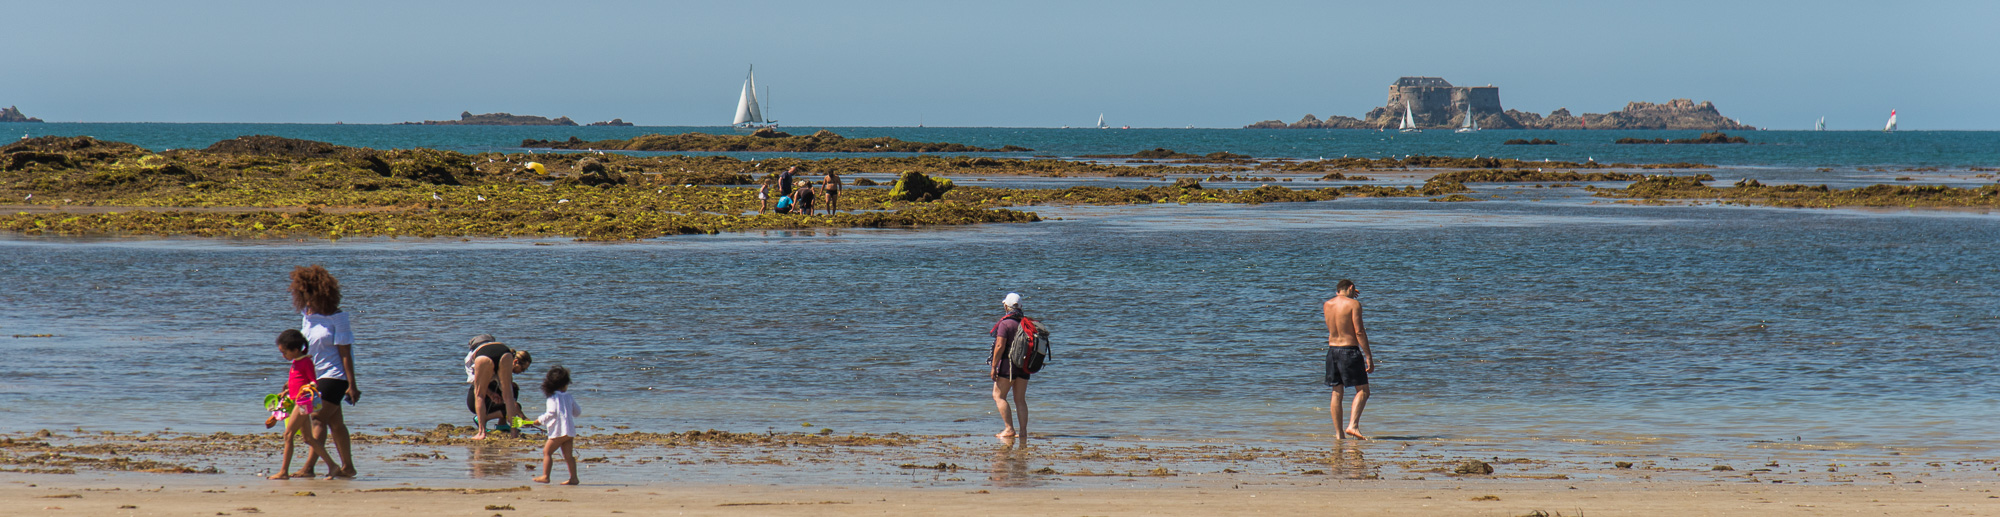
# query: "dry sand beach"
{"points": [[196, 495]]}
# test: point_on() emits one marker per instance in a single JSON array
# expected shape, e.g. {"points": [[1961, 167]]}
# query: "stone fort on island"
{"points": [[1435, 104]]}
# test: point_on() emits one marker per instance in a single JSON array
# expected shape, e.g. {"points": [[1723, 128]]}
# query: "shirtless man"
{"points": [[1348, 359], [831, 187]]}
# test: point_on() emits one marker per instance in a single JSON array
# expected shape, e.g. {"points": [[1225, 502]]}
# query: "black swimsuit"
{"points": [[492, 352]]}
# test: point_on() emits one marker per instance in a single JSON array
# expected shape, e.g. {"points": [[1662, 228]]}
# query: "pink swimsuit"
{"points": [[302, 375]]}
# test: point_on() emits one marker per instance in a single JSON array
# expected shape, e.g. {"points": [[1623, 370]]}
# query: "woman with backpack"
{"points": [[1007, 377]]}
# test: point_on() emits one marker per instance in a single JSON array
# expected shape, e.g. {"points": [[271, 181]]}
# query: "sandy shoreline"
{"points": [[183, 495], [440, 472]]}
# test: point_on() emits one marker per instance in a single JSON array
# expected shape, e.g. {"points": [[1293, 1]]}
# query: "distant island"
{"points": [[766, 140], [509, 119], [13, 114], [1716, 137], [1434, 103]]}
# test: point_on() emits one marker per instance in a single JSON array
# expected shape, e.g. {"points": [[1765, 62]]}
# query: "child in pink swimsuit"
{"points": [[303, 397]]}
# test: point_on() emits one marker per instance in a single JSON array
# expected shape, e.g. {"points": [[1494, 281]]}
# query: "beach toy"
{"points": [[537, 167], [523, 422]]}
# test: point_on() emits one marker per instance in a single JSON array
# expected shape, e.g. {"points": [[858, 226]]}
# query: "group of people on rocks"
{"points": [[797, 195], [322, 375]]}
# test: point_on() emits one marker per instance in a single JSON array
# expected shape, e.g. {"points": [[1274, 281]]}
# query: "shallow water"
{"points": [[1535, 325]]}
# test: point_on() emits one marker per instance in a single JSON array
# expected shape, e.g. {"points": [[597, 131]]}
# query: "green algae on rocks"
{"points": [[1525, 176], [1752, 192], [765, 140]]}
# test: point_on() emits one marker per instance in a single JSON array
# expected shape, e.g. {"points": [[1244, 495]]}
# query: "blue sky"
{"points": [[1776, 64]]}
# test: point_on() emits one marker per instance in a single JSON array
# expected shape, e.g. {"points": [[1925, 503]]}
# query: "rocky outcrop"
{"points": [[1312, 122], [13, 114], [616, 122], [1434, 103], [1675, 114], [496, 119], [1715, 137]]}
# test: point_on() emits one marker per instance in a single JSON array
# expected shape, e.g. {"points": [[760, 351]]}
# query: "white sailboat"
{"points": [[1100, 122], [1471, 121], [1892, 122], [748, 113], [1821, 125], [1409, 122]]}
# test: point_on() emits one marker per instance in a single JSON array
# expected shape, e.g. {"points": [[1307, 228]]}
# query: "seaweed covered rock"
{"points": [[1454, 198], [915, 186], [428, 165], [1473, 468], [1157, 153], [774, 133], [1535, 141], [590, 166], [1523, 175], [65, 152], [277, 145], [1187, 183]]}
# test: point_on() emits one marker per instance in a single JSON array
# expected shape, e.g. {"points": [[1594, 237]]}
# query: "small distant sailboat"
{"points": [[748, 113], [1471, 121], [1100, 122], [1409, 122], [1892, 123], [1821, 125]]}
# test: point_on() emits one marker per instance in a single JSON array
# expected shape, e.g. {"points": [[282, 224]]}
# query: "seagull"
{"points": [[24, 136], [599, 153], [561, 201], [482, 198], [434, 197], [29, 198]]}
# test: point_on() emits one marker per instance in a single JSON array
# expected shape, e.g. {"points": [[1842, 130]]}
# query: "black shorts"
{"points": [[1345, 367], [492, 404], [1007, 369], [331, 390]]}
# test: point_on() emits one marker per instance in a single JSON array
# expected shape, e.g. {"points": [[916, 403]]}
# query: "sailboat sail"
{"points": [[1821, 125], [747, 111], [1409, 124], [1100, 121], [1892, 122]]}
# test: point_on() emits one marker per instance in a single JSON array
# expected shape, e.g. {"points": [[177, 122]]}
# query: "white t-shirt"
{"points": [[323, 334], [560, 420]]}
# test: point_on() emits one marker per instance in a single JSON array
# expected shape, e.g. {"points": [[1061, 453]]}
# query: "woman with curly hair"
{"points": [[316, 296]]}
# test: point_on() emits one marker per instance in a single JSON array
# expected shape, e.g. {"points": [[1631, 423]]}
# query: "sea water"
{"points": [[1542, 317]]}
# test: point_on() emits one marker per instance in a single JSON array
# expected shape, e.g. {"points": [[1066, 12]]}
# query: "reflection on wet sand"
{"points": [[1347, 461], [1010, 466], [493, 461]]}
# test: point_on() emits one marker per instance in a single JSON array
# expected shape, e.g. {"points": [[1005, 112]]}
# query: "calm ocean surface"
{"points": [[1538, 317]]}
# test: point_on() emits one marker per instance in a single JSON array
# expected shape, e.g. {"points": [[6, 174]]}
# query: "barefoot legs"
{"points": [[1353, 424]]}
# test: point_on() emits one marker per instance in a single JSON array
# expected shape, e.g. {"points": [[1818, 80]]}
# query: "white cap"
{"points": [[1011, 299]]}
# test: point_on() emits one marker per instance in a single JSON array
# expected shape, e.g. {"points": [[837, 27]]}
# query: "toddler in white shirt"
{"points": [[560, 421]]}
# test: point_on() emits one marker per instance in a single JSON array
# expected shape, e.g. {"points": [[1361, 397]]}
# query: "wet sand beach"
{"points": [[440, 472]]}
